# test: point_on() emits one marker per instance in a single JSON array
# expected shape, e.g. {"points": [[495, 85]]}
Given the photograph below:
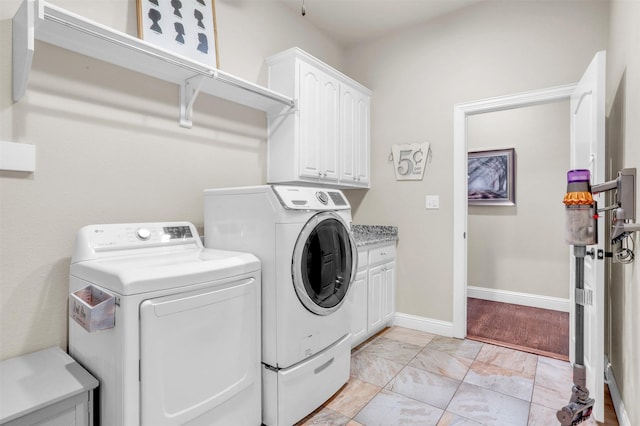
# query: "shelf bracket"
{"points": [[188, 93], [23, 47]]}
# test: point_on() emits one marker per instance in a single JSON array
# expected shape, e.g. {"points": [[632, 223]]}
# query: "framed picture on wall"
{"points": [[185, 27], [491, 177]]}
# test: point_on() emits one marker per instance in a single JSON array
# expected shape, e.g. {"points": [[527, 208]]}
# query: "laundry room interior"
{"points": [[103, 124]]}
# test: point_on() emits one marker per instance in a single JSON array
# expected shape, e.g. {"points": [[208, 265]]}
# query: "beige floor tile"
{"points": [[553, 383], [488, 407], [374, 369], [450, 419], [388, 409], [407, 335], [355, 395], [499, 379], [509, 358], [457, 347], [425, 386], [442, 363], [392, 349], [326, 417]]}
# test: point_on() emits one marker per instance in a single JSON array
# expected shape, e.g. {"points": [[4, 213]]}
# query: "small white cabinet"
{"points": [[372, 300], [46, 388], [326, 139]]}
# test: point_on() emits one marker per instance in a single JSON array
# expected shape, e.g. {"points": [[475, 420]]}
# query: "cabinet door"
{"points": [[330, 118], [388, 292], [319, 103], [355, 136], [311, 118], [375, 285], [358, 305], [349, 152], [363, 139]]}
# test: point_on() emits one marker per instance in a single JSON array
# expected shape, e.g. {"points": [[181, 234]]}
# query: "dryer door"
{"points": [[324, 263], [199, 350]]}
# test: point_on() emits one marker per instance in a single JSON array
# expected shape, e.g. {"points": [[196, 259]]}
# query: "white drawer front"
{"points": [[382, 254]]}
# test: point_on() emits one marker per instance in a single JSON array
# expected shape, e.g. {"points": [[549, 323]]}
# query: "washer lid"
{"points": [[162, 269]]}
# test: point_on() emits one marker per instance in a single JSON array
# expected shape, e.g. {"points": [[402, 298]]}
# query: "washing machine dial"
{"points": [[322, 197], [143, 234]]}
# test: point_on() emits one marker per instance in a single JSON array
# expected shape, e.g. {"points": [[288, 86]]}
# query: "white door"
{"points": [[587, 152]]}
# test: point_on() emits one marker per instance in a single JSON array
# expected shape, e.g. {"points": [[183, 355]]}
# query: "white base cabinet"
{"points": [[326, 139], [372, 299]]}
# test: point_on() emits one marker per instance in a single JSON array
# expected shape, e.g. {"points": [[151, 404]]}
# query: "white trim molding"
{"points": [[460, 113], [428, 325], [616, 398], [516, 298]]}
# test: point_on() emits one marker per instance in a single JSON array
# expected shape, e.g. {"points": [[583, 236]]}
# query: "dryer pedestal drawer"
{"points": [[297, 391]]}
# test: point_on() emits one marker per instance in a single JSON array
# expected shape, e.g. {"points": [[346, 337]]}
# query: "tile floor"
{"points": [[408, 377]]}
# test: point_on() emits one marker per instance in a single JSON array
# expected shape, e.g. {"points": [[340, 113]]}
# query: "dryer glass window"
{"points": [[326, 263]]}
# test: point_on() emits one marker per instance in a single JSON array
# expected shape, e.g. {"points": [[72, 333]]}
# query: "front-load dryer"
{"points": [[302, 237], [182, 346]]}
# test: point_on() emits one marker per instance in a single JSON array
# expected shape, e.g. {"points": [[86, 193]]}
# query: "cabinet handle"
{"points": [[319, 174], [324, 174], [383, 253]]}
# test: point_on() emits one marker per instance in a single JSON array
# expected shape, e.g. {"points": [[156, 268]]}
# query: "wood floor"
{"points": [[535, 330]]}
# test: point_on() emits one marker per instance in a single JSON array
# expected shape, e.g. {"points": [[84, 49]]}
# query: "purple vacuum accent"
{"points": [[579, 175]]}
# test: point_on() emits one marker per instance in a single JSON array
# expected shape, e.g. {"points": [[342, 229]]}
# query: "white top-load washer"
{"points": [[183, 345], [302, 237]]}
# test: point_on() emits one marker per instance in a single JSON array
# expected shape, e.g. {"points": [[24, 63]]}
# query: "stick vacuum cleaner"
{"points": [[581, 231]]}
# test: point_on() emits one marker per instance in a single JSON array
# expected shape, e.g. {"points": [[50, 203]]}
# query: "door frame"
{"points": [[460, 114]]}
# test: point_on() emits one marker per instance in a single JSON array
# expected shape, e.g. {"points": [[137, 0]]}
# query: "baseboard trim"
{"points": [[618, 405], [429, 325], [524, 299]]}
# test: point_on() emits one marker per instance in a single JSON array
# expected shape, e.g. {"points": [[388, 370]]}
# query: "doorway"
{"points": [[517, 265], [460, 227]]}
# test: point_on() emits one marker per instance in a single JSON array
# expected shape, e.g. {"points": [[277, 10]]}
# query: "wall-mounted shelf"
{"points": [[40, 20]]}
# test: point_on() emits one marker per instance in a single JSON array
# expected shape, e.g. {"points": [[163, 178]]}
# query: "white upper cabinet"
{"points": [[326, 139]]}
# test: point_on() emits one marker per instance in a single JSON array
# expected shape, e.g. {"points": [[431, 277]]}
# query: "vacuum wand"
{"points": [[581, 230]]}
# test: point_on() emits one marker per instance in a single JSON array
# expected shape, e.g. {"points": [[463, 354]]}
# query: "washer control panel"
{"points": [[303, 198]]}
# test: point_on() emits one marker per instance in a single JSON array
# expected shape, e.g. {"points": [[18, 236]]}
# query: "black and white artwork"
{"points": [[184, 27], [491, 177]]}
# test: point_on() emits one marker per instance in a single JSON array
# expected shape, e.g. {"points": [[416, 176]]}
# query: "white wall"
{"points": [[623, 110], [109, 149], [489, 49], [521, 248]]}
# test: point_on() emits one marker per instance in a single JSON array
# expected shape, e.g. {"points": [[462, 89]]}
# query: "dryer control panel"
{"points": [[107, 240], [306, 198]]}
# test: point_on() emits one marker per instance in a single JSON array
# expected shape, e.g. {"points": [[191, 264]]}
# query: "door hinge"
{"points": [[584, 297]]}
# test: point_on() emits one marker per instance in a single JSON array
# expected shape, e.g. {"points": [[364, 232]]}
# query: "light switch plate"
{"points": [[19, 157], [433, 202]]}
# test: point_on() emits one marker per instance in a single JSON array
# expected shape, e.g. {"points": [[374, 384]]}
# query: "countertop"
{"points": [[366, 235]]}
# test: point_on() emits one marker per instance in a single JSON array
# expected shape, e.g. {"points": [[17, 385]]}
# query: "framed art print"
{"points": [[491, 177], [185, 27]]}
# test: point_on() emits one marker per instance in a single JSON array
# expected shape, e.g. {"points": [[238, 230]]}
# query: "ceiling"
{"points": [[353, 21]]}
